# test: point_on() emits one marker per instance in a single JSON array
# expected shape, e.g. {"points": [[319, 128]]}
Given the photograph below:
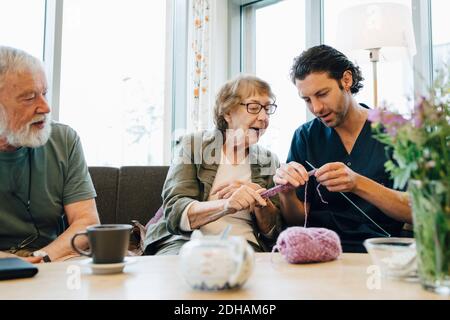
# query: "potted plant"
{"points": [[420, 148]]}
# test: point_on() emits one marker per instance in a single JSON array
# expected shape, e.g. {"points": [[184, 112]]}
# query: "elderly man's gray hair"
{"points": [[16, 60]]}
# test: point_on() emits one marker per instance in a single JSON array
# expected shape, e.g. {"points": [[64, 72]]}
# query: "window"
{"points": [[274, 51], [22, 25], [395, 69], [440, 33], [112, 79]]}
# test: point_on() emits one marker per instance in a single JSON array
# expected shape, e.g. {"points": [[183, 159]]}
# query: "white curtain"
{"points": [[199, 75]]}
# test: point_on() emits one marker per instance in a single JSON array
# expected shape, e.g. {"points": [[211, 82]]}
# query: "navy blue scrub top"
{"points": [[319, 145]]}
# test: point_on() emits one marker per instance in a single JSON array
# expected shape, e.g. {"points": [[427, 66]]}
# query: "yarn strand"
{"points": [[304, 203]]}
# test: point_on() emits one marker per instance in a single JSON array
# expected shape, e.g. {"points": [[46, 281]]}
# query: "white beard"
{"points": [[26, 136]]}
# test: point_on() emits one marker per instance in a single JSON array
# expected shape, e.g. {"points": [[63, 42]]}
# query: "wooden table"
{"points": [[158, 277]]}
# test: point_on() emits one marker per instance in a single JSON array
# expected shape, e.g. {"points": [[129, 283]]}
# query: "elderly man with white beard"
{"points": [[46, 193]]}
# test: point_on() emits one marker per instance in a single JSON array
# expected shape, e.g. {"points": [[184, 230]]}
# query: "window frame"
{"points": [[176, 22], [52, 52], [176, 90], [238, 44], [423, 60], [314, 30], [314, 19]]}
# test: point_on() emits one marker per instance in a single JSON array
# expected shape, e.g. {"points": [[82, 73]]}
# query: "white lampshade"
{"points": [[376, 25]]}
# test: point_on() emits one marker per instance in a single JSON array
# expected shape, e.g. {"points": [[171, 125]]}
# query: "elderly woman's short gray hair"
{"points": [[232, 93]]}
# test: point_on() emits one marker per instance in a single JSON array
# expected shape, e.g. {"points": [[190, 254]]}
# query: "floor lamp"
{"points": [[375, 26], [374, 55]]}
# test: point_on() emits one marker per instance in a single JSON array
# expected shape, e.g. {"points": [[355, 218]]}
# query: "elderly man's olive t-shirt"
{"points": [[59, 176]]}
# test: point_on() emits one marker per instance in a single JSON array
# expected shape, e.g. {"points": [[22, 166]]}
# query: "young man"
{"points": [[348, 159], [44, 179]]}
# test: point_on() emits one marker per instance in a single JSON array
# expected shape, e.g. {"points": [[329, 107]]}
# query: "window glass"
{"points": [[394, 70], [441, 33], [22, 25], [275, 51], [112, 79]]}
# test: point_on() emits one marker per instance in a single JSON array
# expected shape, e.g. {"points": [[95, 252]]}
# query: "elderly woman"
{"points": [[217, 176]]}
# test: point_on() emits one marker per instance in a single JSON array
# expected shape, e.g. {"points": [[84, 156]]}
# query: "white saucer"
{"points": [[107, 268]]}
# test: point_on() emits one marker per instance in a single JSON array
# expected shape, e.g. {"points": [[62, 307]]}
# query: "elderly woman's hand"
{"points": [[225, 191], [245, 198]]}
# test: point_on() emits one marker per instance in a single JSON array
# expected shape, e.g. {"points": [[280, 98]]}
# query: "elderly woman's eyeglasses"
{"points": [[255, 108]]}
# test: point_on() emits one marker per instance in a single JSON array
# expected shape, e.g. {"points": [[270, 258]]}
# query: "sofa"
{"points": [[134, 193], [128, 193]]}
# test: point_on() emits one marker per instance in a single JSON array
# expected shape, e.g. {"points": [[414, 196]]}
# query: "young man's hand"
{"points": [[337, 177]]}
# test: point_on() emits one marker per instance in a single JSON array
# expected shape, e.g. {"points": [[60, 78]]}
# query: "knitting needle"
{"points": [[265, 195], [281, 188], [354, 204]]}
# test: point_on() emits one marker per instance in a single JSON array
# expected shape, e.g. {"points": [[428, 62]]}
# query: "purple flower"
{"points": [[386, 118], [392, 130], [393, 119], [374, 115], [390, 121]]}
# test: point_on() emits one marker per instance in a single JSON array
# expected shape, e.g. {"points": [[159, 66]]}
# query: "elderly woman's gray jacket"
{"points": [[191, 176]]}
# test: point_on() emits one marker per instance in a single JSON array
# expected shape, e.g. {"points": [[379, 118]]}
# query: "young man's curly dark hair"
{"points": [[324, 58]]}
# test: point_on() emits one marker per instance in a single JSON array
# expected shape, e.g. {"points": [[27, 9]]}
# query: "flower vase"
{"points": [[431, 217]]}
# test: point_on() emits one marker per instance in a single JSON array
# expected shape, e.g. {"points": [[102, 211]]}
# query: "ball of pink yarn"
{"points": [[300, 245]]}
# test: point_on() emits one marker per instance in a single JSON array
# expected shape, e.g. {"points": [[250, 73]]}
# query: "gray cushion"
{"points": [[139, 194], [105, 181]]}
